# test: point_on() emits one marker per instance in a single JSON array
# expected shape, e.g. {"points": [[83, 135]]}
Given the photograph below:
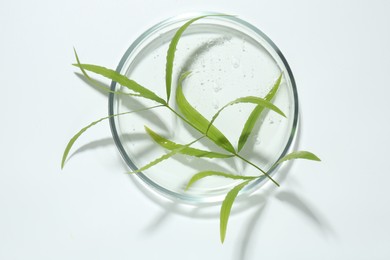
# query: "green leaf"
{"points": [[97, 84], [299, 155], [254, 116], [250, 99], [165, 156], [203, 174], [198, 121], [187, 151], [172, 50], [227, 206], [122, 80], [79, 133]]}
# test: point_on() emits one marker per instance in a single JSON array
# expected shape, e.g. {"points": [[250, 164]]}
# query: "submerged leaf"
{"points": [[172, 50], [122, 80], [187, 151], [299, 155], [250, 99], [254, 116], [201, 175], [165, 156], [198, 121], [79, 133], [227, 206]]}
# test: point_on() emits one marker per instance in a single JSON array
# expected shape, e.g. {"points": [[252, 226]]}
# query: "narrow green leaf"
{"points": [[250, 99], [165, 156], [203, 174], [226, 208], [79, 133], [254, 116], [299, 155], [97, 84], [198, 121], [187, 151], [122, 80], [172, 50]]}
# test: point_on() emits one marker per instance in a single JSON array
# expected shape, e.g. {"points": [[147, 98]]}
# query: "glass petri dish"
{"points": [[228, 58]]}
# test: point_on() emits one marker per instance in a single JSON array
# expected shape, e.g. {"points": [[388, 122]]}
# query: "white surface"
{"points": [[338, 209]]}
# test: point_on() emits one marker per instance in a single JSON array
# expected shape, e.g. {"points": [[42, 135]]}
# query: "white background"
{"points": [[337, 209]]}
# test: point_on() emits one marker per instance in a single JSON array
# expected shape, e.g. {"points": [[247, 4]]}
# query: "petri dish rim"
{"points": [[150, 183]]}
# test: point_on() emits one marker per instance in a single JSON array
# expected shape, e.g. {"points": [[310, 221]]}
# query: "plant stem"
{"points": [[257, 167], [180, 116]]}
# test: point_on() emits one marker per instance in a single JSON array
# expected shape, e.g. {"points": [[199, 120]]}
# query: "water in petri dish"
{"points": [[226, 60]]}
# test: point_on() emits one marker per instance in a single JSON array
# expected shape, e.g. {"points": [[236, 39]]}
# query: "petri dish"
{"points": [[228, 58]]}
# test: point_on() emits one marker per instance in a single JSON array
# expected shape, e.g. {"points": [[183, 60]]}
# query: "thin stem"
{"points": [[180, 116], [257, 167]]}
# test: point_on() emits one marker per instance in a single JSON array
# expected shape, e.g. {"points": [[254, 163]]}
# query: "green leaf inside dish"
{"points": [[254, 116], [172, 50], [204, 174], [198, 121], [165, 156], [250, 99], [167, 144]]}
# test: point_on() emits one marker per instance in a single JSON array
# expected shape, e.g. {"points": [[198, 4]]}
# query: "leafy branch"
{"points": [[197, 121]]}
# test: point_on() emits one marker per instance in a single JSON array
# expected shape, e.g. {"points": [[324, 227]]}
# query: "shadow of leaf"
{"points": [[89, 83], [157, 222], [251, 226], [307, 210], [102, 143]]}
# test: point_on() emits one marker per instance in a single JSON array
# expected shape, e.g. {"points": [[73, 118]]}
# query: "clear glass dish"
{"points": [[228, 58]]}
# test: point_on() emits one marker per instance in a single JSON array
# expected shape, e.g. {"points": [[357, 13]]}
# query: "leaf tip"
{"points": [[222, 238], [185, 75], [315, 158], [282, 114]]}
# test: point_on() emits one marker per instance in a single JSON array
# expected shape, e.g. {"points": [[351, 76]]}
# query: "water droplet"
{"points": [[216, 87], [235, 63], [215, 104]]}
